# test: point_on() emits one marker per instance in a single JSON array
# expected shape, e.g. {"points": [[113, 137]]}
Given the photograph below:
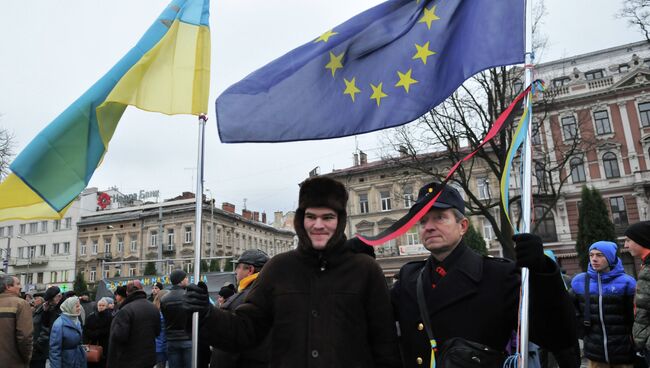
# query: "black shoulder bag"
{"points": [[456, 352]]}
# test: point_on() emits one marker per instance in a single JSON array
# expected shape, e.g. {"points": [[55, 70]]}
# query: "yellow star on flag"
{"points": [[325, 36], [335, 62], [351, 88], [429, 16], [377, 93], [405, 80], [423, 53]]}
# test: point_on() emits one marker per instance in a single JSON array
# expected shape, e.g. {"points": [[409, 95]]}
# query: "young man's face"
{"points": [[598, 261], [154, 290], [635, 249], [320, 224], [440, 232]]}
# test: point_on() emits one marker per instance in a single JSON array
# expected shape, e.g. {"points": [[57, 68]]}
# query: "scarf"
{"points": [[246, 281]]}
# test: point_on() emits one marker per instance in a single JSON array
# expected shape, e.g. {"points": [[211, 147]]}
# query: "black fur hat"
{"points": [[323, 192]]}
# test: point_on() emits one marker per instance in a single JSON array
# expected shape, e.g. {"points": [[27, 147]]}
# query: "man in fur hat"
{"points": [[327, 305], [637, 242]]}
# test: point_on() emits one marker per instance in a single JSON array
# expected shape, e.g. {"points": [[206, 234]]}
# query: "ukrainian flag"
{"points": [[167, 71]]}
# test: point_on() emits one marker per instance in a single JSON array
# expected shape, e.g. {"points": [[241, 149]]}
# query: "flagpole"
{"points": [[526, 189], [197, 240]]}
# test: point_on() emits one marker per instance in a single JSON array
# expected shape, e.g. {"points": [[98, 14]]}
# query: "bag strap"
{"points": [[587, 312], [424, 314]]}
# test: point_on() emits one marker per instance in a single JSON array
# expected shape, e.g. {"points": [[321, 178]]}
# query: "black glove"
{"points": [[529, 250], [196, 299]]}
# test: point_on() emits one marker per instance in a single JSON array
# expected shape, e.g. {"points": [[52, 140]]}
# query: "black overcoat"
{"points": [[478, 300]]}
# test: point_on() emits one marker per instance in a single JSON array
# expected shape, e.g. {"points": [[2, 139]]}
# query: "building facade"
{"points": [[119, 242], [42, 252]]}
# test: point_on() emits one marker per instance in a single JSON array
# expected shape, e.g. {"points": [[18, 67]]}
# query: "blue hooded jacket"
{"points": [[611, 296]]}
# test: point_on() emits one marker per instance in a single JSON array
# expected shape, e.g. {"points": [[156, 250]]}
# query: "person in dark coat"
{"points": [[97, 330], [325, 305], [470, 296], [607, 334], [179, 341], [132, 342], [43, 318], [247, 270]]}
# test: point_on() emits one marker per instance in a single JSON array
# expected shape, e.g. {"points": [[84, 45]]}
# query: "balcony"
{"points": [[106, 256], [169, 249]]}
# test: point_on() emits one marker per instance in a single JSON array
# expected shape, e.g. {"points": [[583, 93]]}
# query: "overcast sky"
{"points": [[53, 50]]}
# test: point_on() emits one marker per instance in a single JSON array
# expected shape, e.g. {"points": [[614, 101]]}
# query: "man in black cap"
{"points": [[179, 341], [43, 318], [247, 269], [468, 298], [324, 305], [225, 293], [637, 242]]}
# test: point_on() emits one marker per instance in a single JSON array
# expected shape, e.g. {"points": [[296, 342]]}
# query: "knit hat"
{"points": [[227, 291], [608, 249], [68, 307], [640, 233], [159, 285], [121, 291], [177, 276], [51, 292]]}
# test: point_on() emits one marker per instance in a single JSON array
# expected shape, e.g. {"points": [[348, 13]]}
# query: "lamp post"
{"points": [[214, 231]]}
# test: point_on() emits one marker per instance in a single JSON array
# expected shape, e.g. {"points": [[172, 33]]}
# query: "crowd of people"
{"points": [[327, 304]]}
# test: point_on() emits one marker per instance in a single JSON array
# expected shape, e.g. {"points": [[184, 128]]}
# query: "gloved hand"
{"points": [[529, 251], [196, 299]]}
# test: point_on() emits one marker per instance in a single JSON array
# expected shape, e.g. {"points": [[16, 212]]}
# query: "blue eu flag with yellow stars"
{"points": [[384, 67]]}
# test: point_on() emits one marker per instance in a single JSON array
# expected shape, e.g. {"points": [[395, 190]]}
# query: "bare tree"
{"points": [[6, 151], [637, 13]]}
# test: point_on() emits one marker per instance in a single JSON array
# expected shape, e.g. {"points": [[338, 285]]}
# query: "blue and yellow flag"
{"points": [[385, 67], [167, 71]]}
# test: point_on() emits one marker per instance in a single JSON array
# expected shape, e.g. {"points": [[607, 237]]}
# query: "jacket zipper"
{"points": [[602, 319]]}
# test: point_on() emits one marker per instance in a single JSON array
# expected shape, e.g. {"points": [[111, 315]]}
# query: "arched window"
{"points": [[577, 170], [545, 226], [610, 163]]}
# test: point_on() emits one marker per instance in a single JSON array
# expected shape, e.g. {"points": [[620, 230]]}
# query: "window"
{"points": [[134, 244], [385, 200], [536, 136], [82, 250], [33, 227], [68, 223], [170, 237], [93, 275], [55, 248], [188, 234], [577, 170], [95, 246], [43, 226], [10, 231], [619, 213], [22, 229], [363, 203], [483, 185], [57, 225], [540, 175], [2, 231], [594, 74], [562, 81], [39, 278], [153, 238], [32, 251], [66, 247], [208, 235], [601, 118], [623, 68], [408, 196], [107, 245], [29, 278], [644, 113], [41, 250], [64, 275], [412, 236], [53, 277], [545, 226], [610, 163], [569, 127], [120, 245], [132, 270], [488, 231]]}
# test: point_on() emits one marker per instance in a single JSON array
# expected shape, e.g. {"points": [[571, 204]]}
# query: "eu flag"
{"points": [[384, 67]]}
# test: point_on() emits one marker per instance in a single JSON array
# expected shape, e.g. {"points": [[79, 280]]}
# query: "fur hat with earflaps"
{"points": [[321, 192]]}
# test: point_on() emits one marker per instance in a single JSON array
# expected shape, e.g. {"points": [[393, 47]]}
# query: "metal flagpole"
{"points": [[526, 189], [197, 240]]}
